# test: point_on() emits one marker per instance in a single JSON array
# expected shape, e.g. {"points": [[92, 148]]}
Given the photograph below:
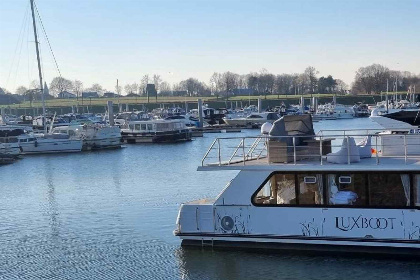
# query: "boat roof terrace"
{"points": [[321, 152]]}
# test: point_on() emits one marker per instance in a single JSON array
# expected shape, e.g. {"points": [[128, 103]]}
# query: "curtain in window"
{"points": [[321, 188], [405, 179], [332, 187]]}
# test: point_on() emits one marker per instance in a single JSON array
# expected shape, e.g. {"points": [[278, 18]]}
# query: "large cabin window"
{"points": [[346, 189], [279, 189], [391, 190], [310, 189]]}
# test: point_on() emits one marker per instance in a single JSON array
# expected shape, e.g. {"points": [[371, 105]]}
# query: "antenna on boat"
{"points": [[39, 67]]}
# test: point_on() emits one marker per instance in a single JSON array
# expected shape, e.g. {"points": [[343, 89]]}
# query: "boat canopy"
{"points": [[293, 125]]}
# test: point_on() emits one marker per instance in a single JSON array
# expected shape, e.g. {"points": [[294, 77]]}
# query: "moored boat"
{"points": [[254, 119], [155, 131], [301, 191], [93, 135]]}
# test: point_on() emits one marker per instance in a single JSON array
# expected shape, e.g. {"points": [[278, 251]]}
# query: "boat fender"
{"points": [[36, 143]]}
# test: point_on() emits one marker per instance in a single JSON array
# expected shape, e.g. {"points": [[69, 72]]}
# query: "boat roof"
{"points": [[292, 150]]}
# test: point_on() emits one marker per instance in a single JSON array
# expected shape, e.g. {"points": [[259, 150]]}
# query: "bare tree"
{"points": [[60, 84], [229, 80], [21, 90], [143, 83], [340, 86], [165, 88], [96, 88], [135, 87], [127, 89], [157, 80], [311, 79], [77, 88], [371, 78]]}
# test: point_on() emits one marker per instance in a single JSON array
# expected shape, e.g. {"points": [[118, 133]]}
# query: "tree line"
{"points": [[372, 79]]}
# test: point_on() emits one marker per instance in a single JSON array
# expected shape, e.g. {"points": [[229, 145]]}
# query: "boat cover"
{"points": [[293, 125]]}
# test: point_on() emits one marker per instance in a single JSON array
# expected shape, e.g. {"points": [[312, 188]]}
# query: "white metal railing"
{"points": [[300, 149]]}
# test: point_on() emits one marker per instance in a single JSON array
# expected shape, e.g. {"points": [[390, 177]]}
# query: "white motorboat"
{"points": [[93, 135], [256, 119], [9, 146], [296, 190], [155, 131], [333, 112], [31, 143]]}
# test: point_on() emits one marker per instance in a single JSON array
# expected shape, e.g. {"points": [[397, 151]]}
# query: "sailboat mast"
{"points": [[39, 66]]}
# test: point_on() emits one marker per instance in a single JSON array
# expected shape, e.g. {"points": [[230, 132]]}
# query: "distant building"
{"points": [[66, 95], [90, 94], [133, 95], [109, 94]]}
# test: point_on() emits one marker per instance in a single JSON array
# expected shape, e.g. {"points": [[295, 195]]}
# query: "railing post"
{"points": [[294, 149], [320, 147], [243, 149], [219, 152], [405, 149], [348, 149]]}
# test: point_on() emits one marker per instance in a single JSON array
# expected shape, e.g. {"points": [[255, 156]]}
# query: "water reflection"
{"points": [[52, 210], [198, 263]]}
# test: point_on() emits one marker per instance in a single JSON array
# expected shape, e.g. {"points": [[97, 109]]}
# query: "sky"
{"points": [[100, 41]]}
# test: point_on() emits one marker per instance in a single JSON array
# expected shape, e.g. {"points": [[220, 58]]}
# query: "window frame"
{"points": [[325, 189]]}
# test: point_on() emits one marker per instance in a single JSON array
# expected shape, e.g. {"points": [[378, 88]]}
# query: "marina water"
{"points": [[110, 215]]}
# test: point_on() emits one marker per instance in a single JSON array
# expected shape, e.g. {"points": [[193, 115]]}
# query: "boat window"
{"points": [[137, 126], [279, 189], [310, 189], [131, 126], [31, 139], [255, 117], [149, 126], [71, 133], [389, 190], [143, 126], [417, 189], [346, 189]]}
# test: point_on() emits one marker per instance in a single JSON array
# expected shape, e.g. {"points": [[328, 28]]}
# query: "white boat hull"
{"points": [[9, 149], [43, 146]]}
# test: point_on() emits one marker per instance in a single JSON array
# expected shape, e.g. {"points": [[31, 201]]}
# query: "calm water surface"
{"points": [[110, 215]]}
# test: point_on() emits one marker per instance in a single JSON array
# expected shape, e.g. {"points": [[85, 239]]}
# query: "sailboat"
{"points": [[32, 143]]}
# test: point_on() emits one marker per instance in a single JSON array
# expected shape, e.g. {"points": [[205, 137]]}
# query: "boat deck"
{"points": [[384, 152]]}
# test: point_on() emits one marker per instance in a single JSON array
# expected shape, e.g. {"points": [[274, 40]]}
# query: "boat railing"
{"points": [[314, 149]]}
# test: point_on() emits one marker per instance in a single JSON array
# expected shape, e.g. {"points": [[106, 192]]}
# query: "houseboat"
{"points": [[300, 191], [155, 131]]}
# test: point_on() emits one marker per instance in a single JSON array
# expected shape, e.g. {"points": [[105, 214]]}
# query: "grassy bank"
{"points": [[98, 104]]}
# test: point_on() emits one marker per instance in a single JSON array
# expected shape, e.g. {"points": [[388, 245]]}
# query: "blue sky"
{"points": [[98, 41]]}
